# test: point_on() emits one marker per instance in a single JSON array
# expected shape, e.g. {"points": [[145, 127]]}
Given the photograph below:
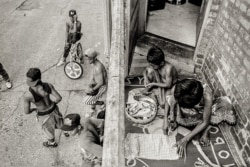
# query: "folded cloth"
{"points": [[151, 146]]}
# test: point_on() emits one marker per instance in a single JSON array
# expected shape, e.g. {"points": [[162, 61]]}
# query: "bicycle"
{"points": [[73, 69]]}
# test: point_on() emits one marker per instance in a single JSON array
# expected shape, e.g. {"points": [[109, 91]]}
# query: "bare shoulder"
{"points": [[27, 97], [168, 66], [100, 66]]}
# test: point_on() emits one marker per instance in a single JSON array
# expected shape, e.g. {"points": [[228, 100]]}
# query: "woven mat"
{"points": [[218, 154]]}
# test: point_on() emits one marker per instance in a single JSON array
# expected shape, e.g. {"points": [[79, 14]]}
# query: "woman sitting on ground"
{"points": [[192, 105]]}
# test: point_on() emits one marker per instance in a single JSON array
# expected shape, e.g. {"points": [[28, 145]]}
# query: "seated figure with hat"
{"points": [[90, 134]]}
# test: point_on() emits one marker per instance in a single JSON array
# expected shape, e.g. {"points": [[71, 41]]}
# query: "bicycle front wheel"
{"points": [[73, 70]]}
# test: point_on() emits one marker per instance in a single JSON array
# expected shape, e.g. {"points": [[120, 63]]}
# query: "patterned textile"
{"points": [[222, 110], [219, 153], [91, 100]]}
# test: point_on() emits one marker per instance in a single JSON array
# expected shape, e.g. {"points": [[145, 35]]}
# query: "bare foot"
{"points": [[205, 139]]}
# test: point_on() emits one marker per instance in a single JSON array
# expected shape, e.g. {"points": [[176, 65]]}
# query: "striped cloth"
{"points": [[91, 100]]}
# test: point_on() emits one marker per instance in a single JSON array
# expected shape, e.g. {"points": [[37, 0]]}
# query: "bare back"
{"points": [[168, 73], [43, 102], [99, 73]]}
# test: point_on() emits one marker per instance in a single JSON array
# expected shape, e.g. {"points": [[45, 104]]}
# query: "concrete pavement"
{"points": [[32, 34]]}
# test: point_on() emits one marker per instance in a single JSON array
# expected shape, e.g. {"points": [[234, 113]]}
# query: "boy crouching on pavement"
{"points": [[90, 132]]}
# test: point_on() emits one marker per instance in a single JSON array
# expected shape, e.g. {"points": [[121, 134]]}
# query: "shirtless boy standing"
{"points": [[48, 113], [73, 34]]}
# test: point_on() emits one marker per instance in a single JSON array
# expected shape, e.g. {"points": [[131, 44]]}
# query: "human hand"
{"points": [[137, 96], [33, 109], [169, 126], [150, 85], [182, 148], [172, 122], [146, 92], [90, 90], [172, 125], [200, 163], [146, 81]]}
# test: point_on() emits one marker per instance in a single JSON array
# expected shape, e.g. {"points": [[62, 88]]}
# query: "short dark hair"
{"points": [[188, 92], [34, 74], [155, 56]]}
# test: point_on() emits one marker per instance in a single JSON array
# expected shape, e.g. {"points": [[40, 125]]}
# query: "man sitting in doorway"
{"points": [[159, 76]]}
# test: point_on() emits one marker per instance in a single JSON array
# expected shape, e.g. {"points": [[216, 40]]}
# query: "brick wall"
{"points": [[223, 57]]}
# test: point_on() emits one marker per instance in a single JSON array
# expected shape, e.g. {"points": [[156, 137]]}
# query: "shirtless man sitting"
{"points": [[47, 112], [160, 75], [73, 34], [98, 81]]}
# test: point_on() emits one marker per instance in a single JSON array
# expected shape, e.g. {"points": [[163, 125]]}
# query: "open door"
{"points": [[205, 7], [136, 15], [201, 24]]}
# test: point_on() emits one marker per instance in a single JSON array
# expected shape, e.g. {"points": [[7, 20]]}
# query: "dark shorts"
{"points": [[74, 37]]}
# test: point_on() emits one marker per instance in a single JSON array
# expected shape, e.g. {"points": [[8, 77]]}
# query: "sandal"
{"points": [[99, 103], [49, 144]]}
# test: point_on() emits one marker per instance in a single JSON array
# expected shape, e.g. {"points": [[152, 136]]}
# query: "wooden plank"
{"points": [[132, 20], [142, 17], [113, 147]]}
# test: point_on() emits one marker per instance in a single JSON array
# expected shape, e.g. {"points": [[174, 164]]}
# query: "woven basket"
{"points": [[143, 120]]}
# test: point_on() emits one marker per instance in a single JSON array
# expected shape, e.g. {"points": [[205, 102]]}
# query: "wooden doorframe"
{"points": [[143, 13], [136, 20], [203, 26], [107, 26]]}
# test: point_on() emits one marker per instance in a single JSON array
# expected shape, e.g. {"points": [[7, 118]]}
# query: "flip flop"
{"points": [[49, 144]]}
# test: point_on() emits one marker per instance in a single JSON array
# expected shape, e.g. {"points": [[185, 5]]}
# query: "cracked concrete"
{"points": [[32, 34]]}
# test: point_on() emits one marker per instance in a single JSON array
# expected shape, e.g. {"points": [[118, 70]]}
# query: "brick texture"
{"points": [[223, 56], [236, 138]]}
